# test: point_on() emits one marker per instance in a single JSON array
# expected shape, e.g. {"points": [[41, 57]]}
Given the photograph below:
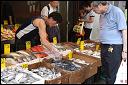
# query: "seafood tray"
{"points": [[62, 50], [18, 75], [89, 45], [47, 74], [66, 65], [95, 54], [38, 51], [74, 69], [50, 74], [79, 61], [17, 57]]}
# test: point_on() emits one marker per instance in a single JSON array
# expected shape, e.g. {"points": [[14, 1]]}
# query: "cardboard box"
{"points": [[98, 60], [78, 77], [40, 81], [92, 67], [75, 77], [64, 79]]}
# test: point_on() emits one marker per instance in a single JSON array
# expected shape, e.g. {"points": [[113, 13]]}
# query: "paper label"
{"points": [[78, 41], [25, 66], [28, 44], [3, 63], [82, 45], [70, 55], [5, 22], [2, 28], [6, 48], [54, 40], [97, 47]]}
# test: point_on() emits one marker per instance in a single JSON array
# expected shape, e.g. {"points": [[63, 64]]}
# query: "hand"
{"points": [[81, 20], [124, 55], [58, 56]]}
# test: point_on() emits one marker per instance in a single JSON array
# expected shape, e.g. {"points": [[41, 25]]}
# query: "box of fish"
{"points": [[26, 57], [50, 74], [66, 65], [89, 45], [38, 51], [17, 75], [81, 75], [93, 64], [74, 70], [62, 50], [91, 54], [18, 57], [88, 52]]}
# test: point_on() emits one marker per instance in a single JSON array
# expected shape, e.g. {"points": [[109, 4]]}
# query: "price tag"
{"points": [[3, 63], [82, 45], [28, 44], [97, 47], [2, 28], [70, 55], [78, 41], [17, 26], [5, 22], [25, 66], [6, 48], [54, 40]]}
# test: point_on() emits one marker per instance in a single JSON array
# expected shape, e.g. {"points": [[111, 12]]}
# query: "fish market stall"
{"points": [[71, 69]]}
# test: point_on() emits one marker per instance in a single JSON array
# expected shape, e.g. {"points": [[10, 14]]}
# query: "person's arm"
{"points": [[43, 35], [122, 26], [43, 38], [90, 19], [124, 54]]}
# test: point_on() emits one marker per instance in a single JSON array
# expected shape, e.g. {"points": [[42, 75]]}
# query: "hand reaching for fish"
{"points": [[57, 56]]}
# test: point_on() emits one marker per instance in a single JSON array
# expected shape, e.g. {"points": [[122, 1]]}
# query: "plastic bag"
{"points": [[121, 77]]}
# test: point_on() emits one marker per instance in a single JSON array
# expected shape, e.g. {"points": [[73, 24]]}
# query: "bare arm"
{"points": [[42, 32], [124, 52], [88, 20], [124, 33]]}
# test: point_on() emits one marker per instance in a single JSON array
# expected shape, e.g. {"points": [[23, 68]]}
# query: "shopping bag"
{"points": [[121, 77]]}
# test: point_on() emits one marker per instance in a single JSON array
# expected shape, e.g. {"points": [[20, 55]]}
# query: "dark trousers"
{"points": [[111, 61], [87, 33]]}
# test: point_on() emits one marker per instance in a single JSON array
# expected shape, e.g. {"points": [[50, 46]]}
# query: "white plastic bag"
{"points": [[121, 77]]}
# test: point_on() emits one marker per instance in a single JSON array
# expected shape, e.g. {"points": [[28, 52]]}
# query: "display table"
{"points": [[85, 71]]}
